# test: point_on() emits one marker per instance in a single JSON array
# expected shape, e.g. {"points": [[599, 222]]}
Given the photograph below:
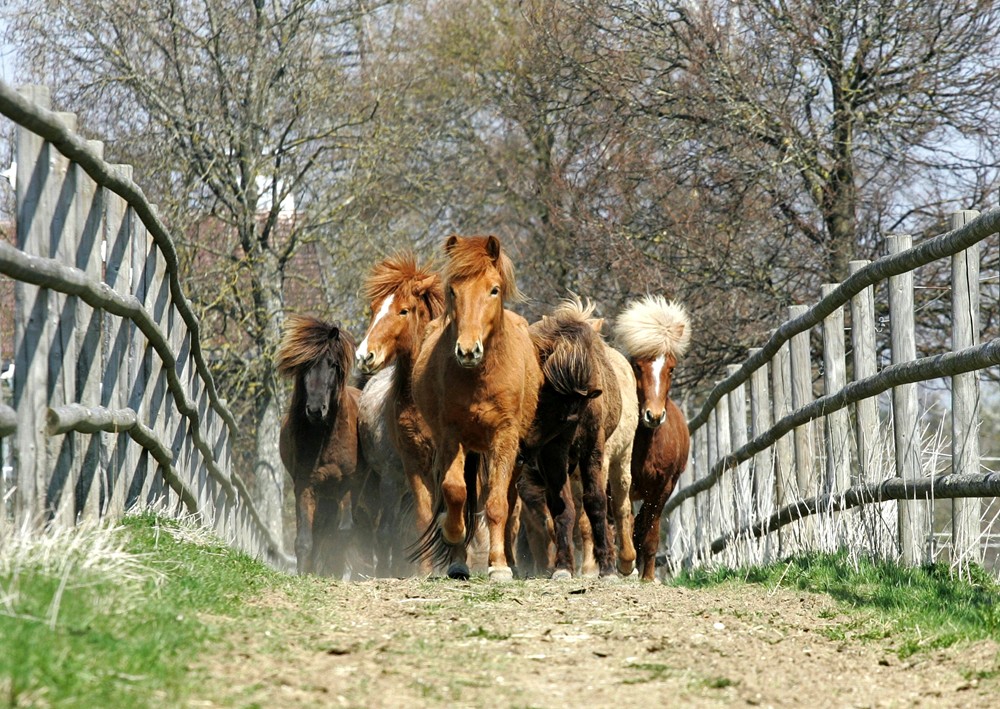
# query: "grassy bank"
{"points": [[112, 618], [918, 608]]}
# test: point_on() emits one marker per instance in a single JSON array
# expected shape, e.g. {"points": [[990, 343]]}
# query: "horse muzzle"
{"points": [[368, 362], [651, 421], [470, 358]]}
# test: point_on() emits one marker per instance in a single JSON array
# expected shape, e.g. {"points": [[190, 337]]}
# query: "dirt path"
{"points": [[576, 643]]}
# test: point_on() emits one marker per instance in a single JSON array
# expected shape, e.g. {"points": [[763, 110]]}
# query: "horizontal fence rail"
{"points": [[109, 371], [756, 474]]}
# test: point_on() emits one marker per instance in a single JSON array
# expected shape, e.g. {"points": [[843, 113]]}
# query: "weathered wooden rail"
{"points": [[113, 403], [754, 471]]}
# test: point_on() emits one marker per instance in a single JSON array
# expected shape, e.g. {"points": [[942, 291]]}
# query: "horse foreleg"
{"points": [[647, 533], [501, 470], [452, 521], [595, 503], [419, 478], [564, 524], [305, 511], [620, 481], [588, 565]]}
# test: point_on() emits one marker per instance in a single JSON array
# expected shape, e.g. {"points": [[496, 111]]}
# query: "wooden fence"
{"points": [[776, 476], [113, 405]]}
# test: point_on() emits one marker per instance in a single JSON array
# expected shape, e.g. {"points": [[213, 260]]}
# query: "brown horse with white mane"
{"points": [[476, 384], [319, 439], [655, 333], [404, 298]]}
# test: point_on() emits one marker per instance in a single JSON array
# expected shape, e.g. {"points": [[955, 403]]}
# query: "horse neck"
{"points": [[404, 360]]}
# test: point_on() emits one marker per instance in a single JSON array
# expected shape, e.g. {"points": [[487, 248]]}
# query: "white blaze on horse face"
{"points": [[382, 312], [658, 365]]}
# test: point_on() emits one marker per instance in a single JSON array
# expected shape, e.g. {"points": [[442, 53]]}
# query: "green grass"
{"points": [[77, 634], [916, 608]]}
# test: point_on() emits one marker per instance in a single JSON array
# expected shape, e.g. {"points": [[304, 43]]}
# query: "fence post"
{"points": [[742, 485], [965, 407], [34, 319], [837, 423], [763, 464], [879, 520], [802, 395], [784, 451], [724, 514], [913, 517]]}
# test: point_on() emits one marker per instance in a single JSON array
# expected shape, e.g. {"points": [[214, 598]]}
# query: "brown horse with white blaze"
{"points": [[404, 298], [476, 383], [655, 333], [319, 439]]}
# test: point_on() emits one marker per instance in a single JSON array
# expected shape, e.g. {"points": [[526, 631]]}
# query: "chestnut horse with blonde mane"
{"points": [[655, 333], [476, 384], [404, 298], [319, 439]]}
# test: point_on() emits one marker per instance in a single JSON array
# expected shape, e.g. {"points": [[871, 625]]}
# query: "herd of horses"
{"points": [[478, 442]]}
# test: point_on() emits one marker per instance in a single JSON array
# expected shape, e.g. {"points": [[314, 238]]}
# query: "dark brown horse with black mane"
{"points": [[584, 424], [476, 383], [404, 298], [319, 439], [655, 333]]}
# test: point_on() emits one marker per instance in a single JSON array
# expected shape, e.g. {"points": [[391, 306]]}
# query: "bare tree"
{"points": [[240, 120]]}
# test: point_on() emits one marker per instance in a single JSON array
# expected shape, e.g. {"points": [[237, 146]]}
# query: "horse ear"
{"points": [[335, 331], [493, 247], [450, 242], [597, 324], [423, 285]]}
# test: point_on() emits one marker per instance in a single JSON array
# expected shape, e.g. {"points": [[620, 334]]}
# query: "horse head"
{"points": [[654, 333], [479, 277], [653, 378], [317, 356], [403, 298]]}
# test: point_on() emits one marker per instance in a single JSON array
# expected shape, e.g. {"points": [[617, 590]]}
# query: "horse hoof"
{"points": [[561, 575], [458, 571], [611, 579], [501, 573], [628, 569]]}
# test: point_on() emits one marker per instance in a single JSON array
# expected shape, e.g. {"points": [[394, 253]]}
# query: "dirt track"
{"points": [[541, 643]]}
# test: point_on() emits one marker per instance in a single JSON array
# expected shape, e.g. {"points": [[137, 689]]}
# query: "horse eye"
{"points": [[495, 291], [404, 311]]}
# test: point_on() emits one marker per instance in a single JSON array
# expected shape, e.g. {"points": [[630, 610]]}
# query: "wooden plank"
{"points": [[722, 497], [763, 462], [711, 496], [784, 447], [802, 394], [90, 205], [837, 424], [913, 516], [965, 407], [34, 321], [864, 361], [140, 360], [701, 469], [120, 455], [742, 484]]}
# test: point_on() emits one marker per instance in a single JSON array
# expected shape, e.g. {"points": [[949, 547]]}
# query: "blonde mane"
{"points": [[653, 327]]}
